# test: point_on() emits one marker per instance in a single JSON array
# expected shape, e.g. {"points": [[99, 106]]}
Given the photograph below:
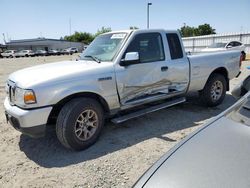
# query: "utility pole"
{"points": [[148, 14], [4, 39]]}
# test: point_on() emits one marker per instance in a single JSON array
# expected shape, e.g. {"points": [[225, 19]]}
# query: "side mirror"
{"points": [[130, 58], [229, 46]]}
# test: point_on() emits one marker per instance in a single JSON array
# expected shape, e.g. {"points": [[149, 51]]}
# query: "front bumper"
{"points": [[30, 122]]}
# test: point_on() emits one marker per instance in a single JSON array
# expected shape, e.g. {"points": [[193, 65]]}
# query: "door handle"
{"points": [[165, 68]]}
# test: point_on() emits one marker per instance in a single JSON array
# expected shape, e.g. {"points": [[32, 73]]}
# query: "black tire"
{"points": [[26, 55], [67, 123], [208, 95]]}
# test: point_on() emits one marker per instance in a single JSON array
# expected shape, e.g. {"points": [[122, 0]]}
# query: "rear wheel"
{"points": [[214, 91], [79, 123]]}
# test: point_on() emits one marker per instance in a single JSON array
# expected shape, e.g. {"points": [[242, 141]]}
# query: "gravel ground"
{"points": [[118, 159]]}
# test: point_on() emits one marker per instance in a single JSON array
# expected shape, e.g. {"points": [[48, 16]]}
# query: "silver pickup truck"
{"points": [[121, 75]]}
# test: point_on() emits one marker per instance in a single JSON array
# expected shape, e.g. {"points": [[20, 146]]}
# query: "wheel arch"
{"points": [[58, 106], [222, 71]]}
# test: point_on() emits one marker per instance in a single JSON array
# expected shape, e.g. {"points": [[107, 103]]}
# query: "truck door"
{"points": [[150, 77]]}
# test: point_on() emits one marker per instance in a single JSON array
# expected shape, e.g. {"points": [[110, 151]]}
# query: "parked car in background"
{"points": [[54, 52], [216, 155], [41, 53], [8, 53], [223, 46], [73, 49], [66, 52], [24, 53], [69, 51], [84, 48]]}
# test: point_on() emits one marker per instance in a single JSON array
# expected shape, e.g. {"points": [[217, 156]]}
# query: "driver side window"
{"points": [[149, 46]]}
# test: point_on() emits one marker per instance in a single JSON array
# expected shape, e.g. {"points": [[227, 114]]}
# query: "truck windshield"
{"points": [[104, 47]]}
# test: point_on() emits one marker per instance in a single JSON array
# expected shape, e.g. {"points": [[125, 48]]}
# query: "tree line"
{"points": [[86, 37], [185, 31], [205, 29]]}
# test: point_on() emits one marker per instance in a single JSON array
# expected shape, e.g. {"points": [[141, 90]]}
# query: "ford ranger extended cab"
{"points": [[121, 75]]}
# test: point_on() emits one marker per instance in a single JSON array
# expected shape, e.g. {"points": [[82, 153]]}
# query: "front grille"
{"points": [[11, 91], [11, 94]]}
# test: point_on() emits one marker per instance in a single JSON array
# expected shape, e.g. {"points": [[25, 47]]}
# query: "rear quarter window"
{"points": [[174, 46]]}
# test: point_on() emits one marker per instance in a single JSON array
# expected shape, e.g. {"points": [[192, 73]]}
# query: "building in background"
{"points": [[2, 48], [43, 44]]}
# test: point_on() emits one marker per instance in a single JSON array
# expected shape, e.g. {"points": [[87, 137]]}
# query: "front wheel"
{"points": [[214, 91], [79, 123]]}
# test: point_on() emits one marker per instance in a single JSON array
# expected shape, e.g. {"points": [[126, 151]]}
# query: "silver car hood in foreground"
{"points": [[54, 72], [217, 155]]}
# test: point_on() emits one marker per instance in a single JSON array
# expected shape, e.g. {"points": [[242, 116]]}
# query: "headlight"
{"points": [[29, 97], [24, 96]]}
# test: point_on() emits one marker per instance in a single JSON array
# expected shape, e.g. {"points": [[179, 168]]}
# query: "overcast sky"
{"points": [[22, 19]]}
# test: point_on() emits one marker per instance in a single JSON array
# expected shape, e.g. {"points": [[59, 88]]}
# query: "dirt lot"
{"points": [[118, 159]]}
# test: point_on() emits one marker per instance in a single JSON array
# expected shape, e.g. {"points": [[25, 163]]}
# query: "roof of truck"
{"points": [[142, 30]]}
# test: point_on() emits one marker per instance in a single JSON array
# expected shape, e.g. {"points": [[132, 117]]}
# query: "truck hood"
{"points": [[55, 72], [218, 156]]}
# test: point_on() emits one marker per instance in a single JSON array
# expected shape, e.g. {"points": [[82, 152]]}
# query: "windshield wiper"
{"points": [[94, 58]]}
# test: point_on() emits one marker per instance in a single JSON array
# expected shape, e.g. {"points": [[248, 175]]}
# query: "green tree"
{"points": [[103, 30], [205, 29], [187, 31], [80, 37]]}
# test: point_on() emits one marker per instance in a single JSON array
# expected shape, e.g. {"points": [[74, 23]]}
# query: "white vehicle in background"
{"points": [[223, 46], [8, 53], [69, 51], [73, 49], [25, 53]]}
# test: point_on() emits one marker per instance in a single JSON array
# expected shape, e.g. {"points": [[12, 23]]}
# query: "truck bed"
{"points": [[201, 66]]}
